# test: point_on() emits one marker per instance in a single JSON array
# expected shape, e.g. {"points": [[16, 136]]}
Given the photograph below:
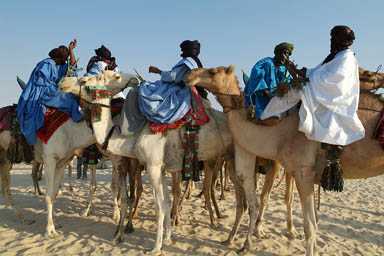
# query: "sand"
{"points": [[351, 223]]}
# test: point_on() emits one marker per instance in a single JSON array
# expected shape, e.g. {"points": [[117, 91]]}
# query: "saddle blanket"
{"points": [[196, 116], [6, 117], [52, 121]]}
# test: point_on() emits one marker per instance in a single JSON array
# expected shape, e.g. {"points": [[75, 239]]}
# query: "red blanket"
{"points": [[52, 121], [197, 118], [6, 117]]}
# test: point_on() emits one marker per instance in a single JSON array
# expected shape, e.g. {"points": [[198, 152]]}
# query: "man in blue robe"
{"points": [[168, 99], [42, 90], [266, 74]]}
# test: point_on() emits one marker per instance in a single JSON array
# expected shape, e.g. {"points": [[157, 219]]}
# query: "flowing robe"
{"points": [[264, 76], [41, 91], [167, 100], [328, 112]]}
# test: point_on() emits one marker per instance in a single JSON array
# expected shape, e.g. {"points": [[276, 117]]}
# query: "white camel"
{"points": [[284, 143], [57, 152], [156, 151]]}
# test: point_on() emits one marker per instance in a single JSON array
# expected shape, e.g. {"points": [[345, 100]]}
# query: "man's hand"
{"points": [[72, 44], [153, 69]]}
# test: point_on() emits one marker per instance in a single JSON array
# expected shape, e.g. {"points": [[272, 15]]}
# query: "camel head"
{"points": [[114, 83], [370, 80], [220, 80]]}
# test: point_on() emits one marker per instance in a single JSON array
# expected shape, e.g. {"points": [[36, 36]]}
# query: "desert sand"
{"points": [[351, 222]]}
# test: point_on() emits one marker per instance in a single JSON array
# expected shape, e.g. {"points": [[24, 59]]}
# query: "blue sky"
{"points": [[144, 33]]}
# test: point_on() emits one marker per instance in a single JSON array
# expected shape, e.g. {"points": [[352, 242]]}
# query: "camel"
{"points": [[155, 151], [214, 136], [300, 157], [56, 154]]}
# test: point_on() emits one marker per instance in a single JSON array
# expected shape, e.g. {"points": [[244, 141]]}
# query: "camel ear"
{"points": [[231, 70]]}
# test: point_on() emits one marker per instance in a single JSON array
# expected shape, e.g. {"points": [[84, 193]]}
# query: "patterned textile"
{"points": [[18, 149], [195, 116], [379, 132], [53, 119], [91, 155], [190, 145], [6, 117]]}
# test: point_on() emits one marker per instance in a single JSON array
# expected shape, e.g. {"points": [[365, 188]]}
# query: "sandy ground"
{"points": [[351, 223]]}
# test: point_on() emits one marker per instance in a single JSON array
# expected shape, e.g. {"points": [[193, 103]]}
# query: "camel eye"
{"points": [[83, 82], [212, 71], [117, 77]]}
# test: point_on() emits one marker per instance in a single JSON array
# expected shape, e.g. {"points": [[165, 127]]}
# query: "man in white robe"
{"points": [[330, 100]]}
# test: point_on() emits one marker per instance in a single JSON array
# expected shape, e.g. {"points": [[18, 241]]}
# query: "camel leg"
{"points": [[222, 195], [132, 192], [305, 186], [209, 171], [70, 176], [40, 173], [186, 191], [289, 198], [167, 218], [35, 169], [226, 175], [241, 202], [245, 171], [92, 189], [176, 191], [118, 237], [281, 179], [155, 176], [115, 192], [216, 171], [54, 174], [5, 168], [139, 191], [272, 173]]}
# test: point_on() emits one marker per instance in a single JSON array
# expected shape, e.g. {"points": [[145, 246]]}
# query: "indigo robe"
{"points": [[264, 76], [167, 100], [41, 91]]}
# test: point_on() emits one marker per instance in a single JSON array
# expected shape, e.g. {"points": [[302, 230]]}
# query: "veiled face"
{"points": [[282, 57]]}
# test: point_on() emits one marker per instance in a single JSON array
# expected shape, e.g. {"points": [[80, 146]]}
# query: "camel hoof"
{"points": [[294, 235], [167, 241], [226, 243], [215, 225], [51, 234], [221, 216], [28, 222], [222, 198], [153, 252], [129, 230], [117, 240]]}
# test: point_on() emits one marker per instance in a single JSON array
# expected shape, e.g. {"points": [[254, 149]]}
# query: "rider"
{"points": [[328, 112], [168, 99], [266, 75], [42, 91], [103, 60]]}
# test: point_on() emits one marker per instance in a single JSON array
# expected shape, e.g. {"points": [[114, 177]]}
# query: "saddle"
{"points": [[18, 149]]}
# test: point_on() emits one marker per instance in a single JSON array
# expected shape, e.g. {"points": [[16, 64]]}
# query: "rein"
{"points": [[236, 100]]}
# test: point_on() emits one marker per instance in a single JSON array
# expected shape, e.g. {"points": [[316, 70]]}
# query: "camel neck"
{"points": [[118, 145]]}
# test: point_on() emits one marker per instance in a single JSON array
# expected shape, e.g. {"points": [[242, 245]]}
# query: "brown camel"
{"points": [[284, 143]]}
